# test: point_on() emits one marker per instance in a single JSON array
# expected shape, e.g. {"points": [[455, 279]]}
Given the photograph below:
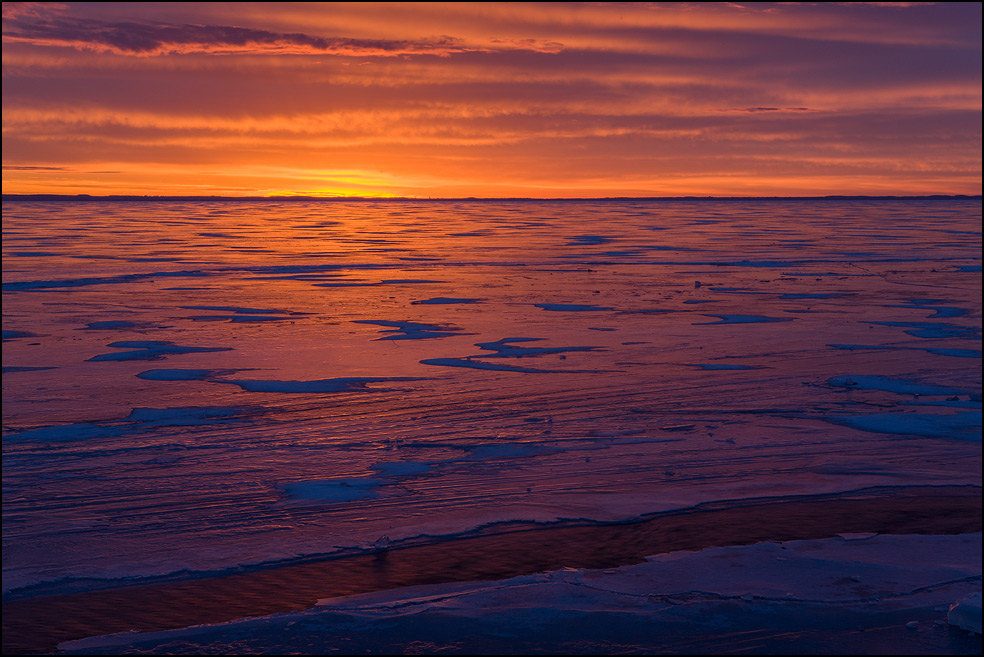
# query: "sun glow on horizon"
{"points": [[517, 100]]}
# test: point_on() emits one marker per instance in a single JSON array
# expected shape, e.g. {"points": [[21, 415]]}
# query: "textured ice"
{"points": [[183, 417], [964, 426], [505, 348], [966, 613], [609, 426], [741, 319], [809, 597], [238, 318], [939, 351], [960, 353], [874, 382], [176, 375], [587, 240], [339, 384], [151, 350], [734, 290], [413, 330], [333, 490], [16, 368], [445, 301], [939, 311], [388, 468], [481, 365], [722, 366], [13, 335], [571, 307], [390, 281], [139, 419], [110, 325], [65, 432], [933, 330], [241, 311]]}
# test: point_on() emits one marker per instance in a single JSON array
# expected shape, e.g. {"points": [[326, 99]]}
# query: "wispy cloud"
{"points": [[15, 167], [150, 39]]}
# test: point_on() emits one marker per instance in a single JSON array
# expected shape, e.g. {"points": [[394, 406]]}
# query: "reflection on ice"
{"points": [[383, 400]]}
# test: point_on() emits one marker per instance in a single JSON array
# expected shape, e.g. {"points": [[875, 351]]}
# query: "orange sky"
{"points": [[492, 99]]}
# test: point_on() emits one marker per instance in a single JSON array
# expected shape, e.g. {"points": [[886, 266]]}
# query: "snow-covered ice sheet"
{"points": [[865, 594]]}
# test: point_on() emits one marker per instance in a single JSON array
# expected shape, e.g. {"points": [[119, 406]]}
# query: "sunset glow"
{"points": [[492, 99]]}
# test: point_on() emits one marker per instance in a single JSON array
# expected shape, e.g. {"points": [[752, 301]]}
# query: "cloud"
{"points": [[144, 39], [14, 167], [615, 97], [755, 110], [37, 10]]}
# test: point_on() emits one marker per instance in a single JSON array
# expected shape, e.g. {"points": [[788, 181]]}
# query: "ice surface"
{"points": [[445, 301], [562, 421], [939, 351], [571, 307], [151, 350], [333, 490], [340, 384], [742, 319], [505, 348], [241, 311], [138, 420], [237, 318], [12, 335], [965, 426], [810, 597], [874, 382], [176, 375], [16, 368], [412, 330], [110, 325], [966, 613], [933, 330], [481, 365]]}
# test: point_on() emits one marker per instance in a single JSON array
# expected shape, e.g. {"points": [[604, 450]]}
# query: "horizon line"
{"points": [[298, 197]]}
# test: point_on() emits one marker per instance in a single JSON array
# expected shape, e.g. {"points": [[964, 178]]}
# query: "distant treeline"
{"points": [[308, 199]]}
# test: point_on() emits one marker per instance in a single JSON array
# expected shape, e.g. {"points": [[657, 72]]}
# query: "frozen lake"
{"points": [[196, 386]]}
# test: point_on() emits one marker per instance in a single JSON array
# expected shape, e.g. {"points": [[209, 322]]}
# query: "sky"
{"points": [[539, 100]]}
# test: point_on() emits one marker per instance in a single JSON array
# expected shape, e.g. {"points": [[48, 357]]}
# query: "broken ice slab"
{"points": [[966, 613]]}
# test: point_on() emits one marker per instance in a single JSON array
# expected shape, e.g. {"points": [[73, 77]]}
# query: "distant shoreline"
{"points": [[470, 199]]}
